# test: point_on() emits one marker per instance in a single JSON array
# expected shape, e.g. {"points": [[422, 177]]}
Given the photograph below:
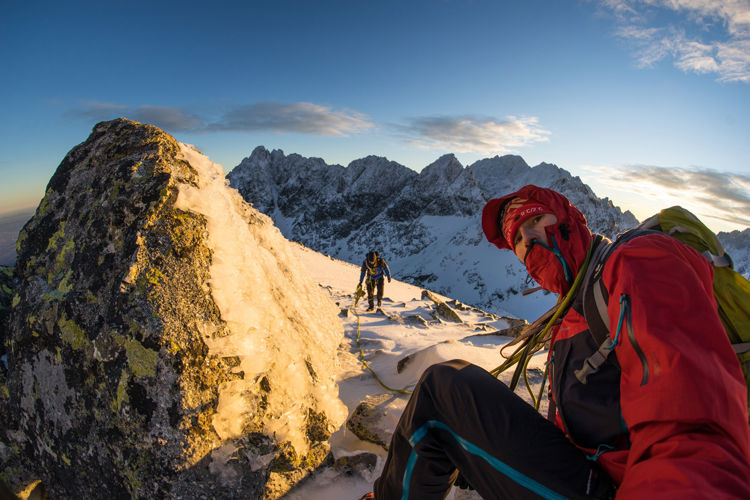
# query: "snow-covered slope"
{"points": [[426, 225], [387, 340]]}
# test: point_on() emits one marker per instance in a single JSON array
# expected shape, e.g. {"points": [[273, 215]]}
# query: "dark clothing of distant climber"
{"points": [[375, 269]]}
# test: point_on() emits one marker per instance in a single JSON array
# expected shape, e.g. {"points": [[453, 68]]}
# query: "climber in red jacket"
{"points": [[664, 417]]}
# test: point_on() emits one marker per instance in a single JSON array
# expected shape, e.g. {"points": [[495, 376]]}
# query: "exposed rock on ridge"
{"points": [[120, 356]]}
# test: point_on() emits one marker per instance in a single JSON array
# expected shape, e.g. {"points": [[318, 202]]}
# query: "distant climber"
{"points": [[374, 270], [658, 410]]}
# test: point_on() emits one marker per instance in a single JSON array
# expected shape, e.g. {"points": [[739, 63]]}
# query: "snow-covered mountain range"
{"points": [[426, 225]]}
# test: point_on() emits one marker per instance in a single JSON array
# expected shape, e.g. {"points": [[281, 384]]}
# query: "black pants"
{"points": [[461, 417], [371, 285]]}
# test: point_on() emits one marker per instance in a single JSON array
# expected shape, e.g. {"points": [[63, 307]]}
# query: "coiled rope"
{"points": [[534, 337]]}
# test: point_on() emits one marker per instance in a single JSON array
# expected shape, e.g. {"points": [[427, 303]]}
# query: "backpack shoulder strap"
{"points": [[595, 294], [595, 311], [595, 301]]}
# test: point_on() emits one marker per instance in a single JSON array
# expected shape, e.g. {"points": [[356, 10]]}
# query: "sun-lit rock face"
{"points": [[163, 341]]}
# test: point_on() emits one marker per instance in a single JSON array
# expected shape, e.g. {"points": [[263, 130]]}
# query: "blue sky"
{"points": [[648, 101]]}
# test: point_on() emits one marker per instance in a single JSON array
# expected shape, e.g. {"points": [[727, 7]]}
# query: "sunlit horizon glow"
{"points": [[719, 199]]}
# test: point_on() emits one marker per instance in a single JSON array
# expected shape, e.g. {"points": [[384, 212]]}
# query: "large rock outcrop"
{"points": [[163, 340]]}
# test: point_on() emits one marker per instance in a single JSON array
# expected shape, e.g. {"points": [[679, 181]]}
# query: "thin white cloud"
{"points": [[473, 134], [704, 36], [300, 117], [723, 196]]}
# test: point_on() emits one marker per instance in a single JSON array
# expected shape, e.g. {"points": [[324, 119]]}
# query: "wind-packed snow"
{"points": [[279, 318], [386, 339]]}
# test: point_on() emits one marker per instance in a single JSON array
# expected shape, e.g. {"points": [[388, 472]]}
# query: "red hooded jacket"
{"points": [[666, 415]]}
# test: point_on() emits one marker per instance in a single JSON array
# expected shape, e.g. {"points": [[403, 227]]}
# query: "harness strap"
{"points": [[601, 302], [593, 363], [595, 296]]}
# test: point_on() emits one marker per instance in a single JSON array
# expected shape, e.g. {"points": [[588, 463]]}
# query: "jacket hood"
{"points": [[570, 232]]}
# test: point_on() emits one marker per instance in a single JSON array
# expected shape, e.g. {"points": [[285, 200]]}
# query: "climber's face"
{"points": [[532, 229]]}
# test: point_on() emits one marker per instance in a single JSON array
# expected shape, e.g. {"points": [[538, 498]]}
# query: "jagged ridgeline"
{"points": [[162, 340], [426, 224]]}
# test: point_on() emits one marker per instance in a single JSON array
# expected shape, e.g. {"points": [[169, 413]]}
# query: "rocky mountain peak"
{"points": [[139, 365], [442, 171], [261, 155], [507, 162], [545, 168], [736, 243], [376, 174]]}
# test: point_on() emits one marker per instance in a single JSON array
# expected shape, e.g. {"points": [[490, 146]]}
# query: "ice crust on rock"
{"points": [[283, 327]]}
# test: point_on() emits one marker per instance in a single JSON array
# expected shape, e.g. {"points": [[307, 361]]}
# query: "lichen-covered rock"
{"points": [[361, 464], [365, 422], [15, 473], [448, 312], [428, 295], [125, 359], [7, 287], [8, 284]]}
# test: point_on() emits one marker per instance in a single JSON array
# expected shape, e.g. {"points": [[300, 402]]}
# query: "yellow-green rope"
{"points": [[535, 341], [357, 295]]}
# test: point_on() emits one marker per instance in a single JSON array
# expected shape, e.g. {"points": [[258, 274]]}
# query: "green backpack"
{"points": [[731, 289]]}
